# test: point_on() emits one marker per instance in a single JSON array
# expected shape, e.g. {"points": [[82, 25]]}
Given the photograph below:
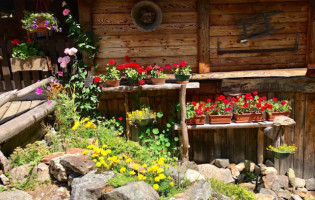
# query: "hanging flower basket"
{"points": [[144, 122], [280, 155]]}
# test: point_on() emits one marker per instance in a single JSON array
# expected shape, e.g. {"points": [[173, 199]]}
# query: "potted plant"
{"points": [[182, 72], [28, 56], [283, 151], [249, 108], [135, 73], [195, 114], [113, 75], [219, 112], [158, 77], [277, 108], [141, 117]]}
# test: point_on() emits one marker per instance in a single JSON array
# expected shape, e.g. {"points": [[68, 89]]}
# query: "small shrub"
{"points": [[121, 180], [231, 190]]}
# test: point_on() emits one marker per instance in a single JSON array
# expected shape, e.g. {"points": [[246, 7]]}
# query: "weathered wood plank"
{"points": [[36, 103], [226, 126], [258, 67], [25, 105], [4, 108], [12, 110], [254, 1], [311, 34]]}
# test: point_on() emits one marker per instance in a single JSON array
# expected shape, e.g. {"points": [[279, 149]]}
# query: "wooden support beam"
{"points": [[311, 34], [260, 146], [226, 126], [184, 130], [203, 8]]}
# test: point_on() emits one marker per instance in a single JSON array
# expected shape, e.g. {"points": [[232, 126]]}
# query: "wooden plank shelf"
{"points": [[226, 126], [167, 86]]}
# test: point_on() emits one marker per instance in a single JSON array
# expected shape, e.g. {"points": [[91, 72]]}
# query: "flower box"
{"points": [[276, 114], [112, 83], [248, 117], [31, 64], [220, 119], [158, 81], [198, 120]]}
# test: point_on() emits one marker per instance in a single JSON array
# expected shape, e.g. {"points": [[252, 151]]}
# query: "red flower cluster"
{"points": [[15, 41], [221, 98], [141, 82], [112, 62], [29, 40], [97, 79]]}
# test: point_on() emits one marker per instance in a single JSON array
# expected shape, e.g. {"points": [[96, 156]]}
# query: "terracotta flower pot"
{"points": [[158, 81], [220, 119], [198, 120], [113, 83], [248, 117], [276, 114], [182, 79]]}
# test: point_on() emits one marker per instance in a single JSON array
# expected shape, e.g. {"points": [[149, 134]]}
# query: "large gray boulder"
{"points": [[310, 184], [19, 174], [211, 171], [200, 190], [90, 186], [299, 183], [193, 175], [132, 191], [15, 195], [222, 163], [43, 172], [77, 163], [57, 170]]}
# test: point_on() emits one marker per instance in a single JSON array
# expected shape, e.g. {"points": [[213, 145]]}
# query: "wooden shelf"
{"points": [[167, 86], [226, 126]]}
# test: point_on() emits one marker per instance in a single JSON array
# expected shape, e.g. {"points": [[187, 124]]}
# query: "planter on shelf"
{"points": [[158, 81], [39, 63], [280, 155], [182, 79], [144, 122], [132, 82], [112, 83], [248, 117], [198, 120], [220, 119], [276, 114]]}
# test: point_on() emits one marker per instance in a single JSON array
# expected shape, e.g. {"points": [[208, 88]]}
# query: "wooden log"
{"points": [[203, 36], [18, 124], [260, 146], [184, 130]]}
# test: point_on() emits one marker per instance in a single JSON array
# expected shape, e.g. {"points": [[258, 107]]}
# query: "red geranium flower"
{"points": [[208, 100], [274, 99], [258, 105], [140, 70], [141, 82], [182, 64], [264, 98], [175, 64], [121, 67], [120, 118], [16, 41], [148, 68], [199, 111], [97, 79], [227, 109], [269, 106], [127, 59], [29, 40], [234, 99], [255, 93], [225, 101], [211, 107], [245, 105], [283, 103], [112, 62], [263, 108], [206, 108], [194, 103]]}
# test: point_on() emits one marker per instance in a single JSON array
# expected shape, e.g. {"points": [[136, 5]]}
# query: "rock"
{"points": [[193, 175], [269, 163], [234, 170], [201, 190], [310, 195], [240, 166], [178, 172], [4, 163], [19, 174], [57, 170], [291, 176], [299, 182], [283, 121], [269, 181], [283, 181], [219, 196], [132, 191], [310, 184], [43, 172], [211, 171], [269, 170], [77, 163], [5, 180], [302, 192], [63, 193], [296, 197], [284, 195], [257, 170], [90, 186], [72, 176], [249, 186], [264, 196], [189, 165], [222, 163], [15, 195], [269, 192], [252, 167], [75, 151], [48, 158]]}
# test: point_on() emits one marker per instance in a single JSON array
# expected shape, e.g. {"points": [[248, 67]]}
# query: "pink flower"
{"points": [[66, 51], [38, 91], [48, 102], [66, 59], [156, 67], [161, 69], [60, 74], [168, 66], [63, 65], [72, 51], [175, 64], [48, 88], [66, 12], [60, 59]]}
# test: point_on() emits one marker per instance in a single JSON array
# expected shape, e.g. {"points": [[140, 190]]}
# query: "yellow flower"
{"points": [[150, 179], [94, 160], [122, 170], [94, 155], [144, 178], [162, 176], [132, 172], [85, 152], [98, 164], [172, 184], [106, 165], [128, 160], [104, 146], [155, 186], [90, 146], [143, 171], [140, 177], [157, 179], [167, 166], [169, 178], [136, 166], [144, 165], [160, 170], [75, 126]]}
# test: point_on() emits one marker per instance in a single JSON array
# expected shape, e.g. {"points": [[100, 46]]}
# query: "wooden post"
{"points": [[184, 130], [203, 8], [126, 104], [311, 34], [260, 146]]}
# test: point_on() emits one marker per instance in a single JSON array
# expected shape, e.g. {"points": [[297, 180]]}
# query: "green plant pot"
{"points": [[280, 155], [133, 82], [144, 122], [182, 79]]}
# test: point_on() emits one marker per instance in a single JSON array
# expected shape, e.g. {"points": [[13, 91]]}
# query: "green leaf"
{"points": [[168, 144], [155, 131], [159, 114], [175, 139]]}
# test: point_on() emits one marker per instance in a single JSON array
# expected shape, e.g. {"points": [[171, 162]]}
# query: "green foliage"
{"points": [[32, 21], [121, 180], [32, 154], [112, 73], [28, 184], [231, 190], [192, 109], [248, 175], [157, 72], [2, 188], [26, 50], [182, 68]]}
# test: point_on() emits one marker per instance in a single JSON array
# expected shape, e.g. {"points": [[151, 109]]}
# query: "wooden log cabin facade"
{"points": [[192, 30]]}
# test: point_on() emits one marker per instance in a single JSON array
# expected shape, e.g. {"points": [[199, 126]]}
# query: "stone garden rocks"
{"points": [[268, 192], [57, 170], [310, 184], [299, 182], [222, 163], [193, 175], [19, 174], [43, 172], [302, 192], [283, 181], [132, 191], [46, 159], [4, 180], [201, 190], [211, 171], [249, 186], [90, 186], [296, 197], [269, 170], [291, 176], [219, 196], [270, 181], [4, 163], [77, 163], [15, 195], [240, 166], [234, 170], [269, 163], [284, 195], [264, 196]]}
